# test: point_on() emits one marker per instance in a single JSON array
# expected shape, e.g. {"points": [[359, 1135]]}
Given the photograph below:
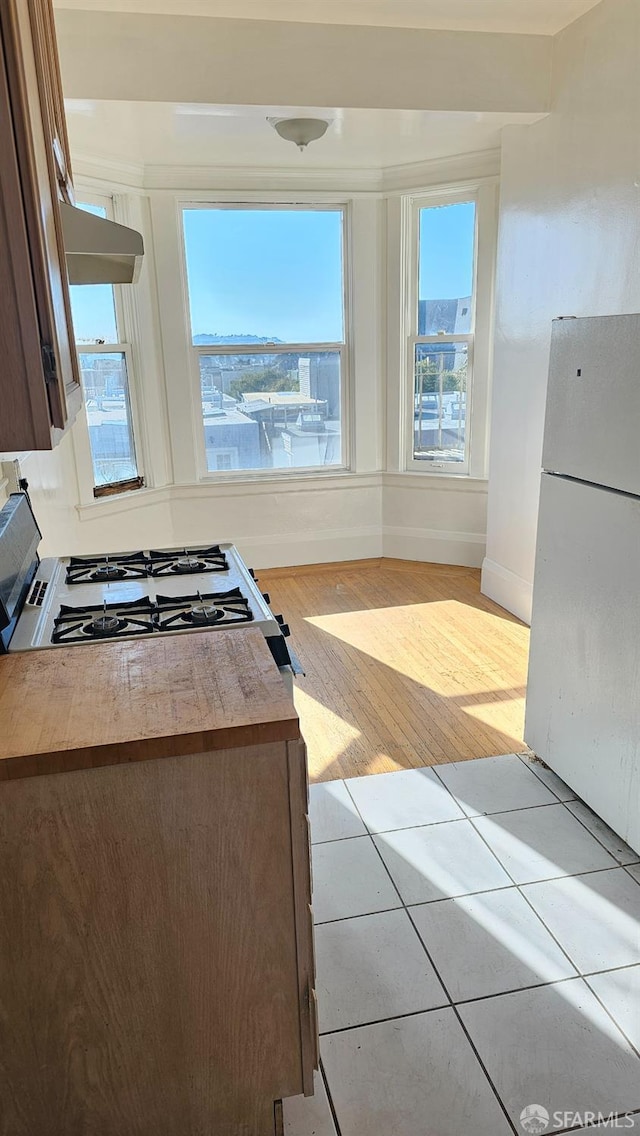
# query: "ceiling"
{"points": [[207, 135], [541, 17]]}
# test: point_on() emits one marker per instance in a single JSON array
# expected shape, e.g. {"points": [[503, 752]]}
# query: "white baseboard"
{"points": [[507, 589], [323, 548], [426, 545], [433, 545]]}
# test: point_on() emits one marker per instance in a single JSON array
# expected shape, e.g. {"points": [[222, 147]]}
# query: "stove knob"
{"points": [[284, 627], [266, 597], [252, 573]]}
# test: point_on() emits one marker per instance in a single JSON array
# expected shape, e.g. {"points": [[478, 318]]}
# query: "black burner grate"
{"points": [[103, 569], [103, 621], [204, 609], [188, 561]]}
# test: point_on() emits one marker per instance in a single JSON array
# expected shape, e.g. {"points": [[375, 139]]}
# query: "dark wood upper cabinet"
{"points": [[40, 389]]}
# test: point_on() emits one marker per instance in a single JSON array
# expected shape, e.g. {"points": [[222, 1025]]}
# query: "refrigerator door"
{"points": [[583, 695], [593, 401]]}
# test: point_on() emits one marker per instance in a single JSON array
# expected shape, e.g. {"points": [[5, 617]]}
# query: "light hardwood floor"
{"points": [[407, 665]]}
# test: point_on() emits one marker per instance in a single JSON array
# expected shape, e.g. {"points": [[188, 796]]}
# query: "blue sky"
{"points": [[94, 315], [278, 272], [266, 272], [446, 251]]}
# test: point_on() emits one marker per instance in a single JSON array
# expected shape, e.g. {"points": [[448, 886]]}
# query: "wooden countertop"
{"points": [[102, 704]]}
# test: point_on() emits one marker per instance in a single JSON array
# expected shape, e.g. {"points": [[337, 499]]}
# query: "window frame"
{"points": [[484, 196], [124, 347], [343, 348]]}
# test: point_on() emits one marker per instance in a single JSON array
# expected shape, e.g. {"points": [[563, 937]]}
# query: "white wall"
{"points": [[569, 244]]}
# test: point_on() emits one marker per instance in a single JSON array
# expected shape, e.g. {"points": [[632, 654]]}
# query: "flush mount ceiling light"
{"points": [[300, 131]]}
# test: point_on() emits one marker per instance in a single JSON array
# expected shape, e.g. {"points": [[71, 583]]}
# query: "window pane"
{"points": [[92, 305], [445, 286], [264, 275], [106, 393], [440, 402], [271, 411]]}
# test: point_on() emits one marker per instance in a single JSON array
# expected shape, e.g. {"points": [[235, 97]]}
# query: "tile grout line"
{"points": [[536, 913], [497, 1096], [473, 816], [364, 915], [517, 757], [424, 903], [530, 765], [484, 1070], [381, 1021], [614, 867], [635, 1048], [332, 1107], [579, 801], [479, 997], [596, 837]]}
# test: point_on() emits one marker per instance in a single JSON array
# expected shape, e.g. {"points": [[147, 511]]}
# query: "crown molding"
{"points": [[178, 178], [439, 171], [113, 173]]}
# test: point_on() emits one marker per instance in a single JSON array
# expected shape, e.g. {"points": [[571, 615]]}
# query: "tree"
{"points": [[428, 376], [269, 379]]}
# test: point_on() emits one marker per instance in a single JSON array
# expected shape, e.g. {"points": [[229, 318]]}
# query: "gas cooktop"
{"points": [[63, 601], [81, 599]]}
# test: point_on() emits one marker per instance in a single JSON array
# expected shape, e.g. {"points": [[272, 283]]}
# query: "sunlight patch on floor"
{"points": [[424, 642]]}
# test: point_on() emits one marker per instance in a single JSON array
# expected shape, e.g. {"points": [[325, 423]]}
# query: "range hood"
{"points": [[99, 251]]}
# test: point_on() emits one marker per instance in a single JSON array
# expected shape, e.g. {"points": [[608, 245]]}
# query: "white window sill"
{"points": [[273, 477], [420, 479]]}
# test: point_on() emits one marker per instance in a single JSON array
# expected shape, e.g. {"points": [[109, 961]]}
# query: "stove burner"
{"points": [[109, 571], [104, 621], [186, 564], [183, 562], [102, 569], [104, 625], [202, 610], [203, 614]]}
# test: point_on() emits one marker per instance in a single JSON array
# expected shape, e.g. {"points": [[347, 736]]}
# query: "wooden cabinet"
{"points": [[156, 932], [40, 389], [156, 958]]}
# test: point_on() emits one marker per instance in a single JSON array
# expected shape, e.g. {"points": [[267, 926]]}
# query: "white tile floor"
{"points": [[478, 952]]}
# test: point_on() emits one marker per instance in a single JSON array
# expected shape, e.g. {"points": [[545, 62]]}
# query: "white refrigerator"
{"points": [[583, 694]]}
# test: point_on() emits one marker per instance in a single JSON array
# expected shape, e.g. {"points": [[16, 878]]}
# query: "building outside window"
{"points": [[266, 306], [105, 370], [441, 341]]}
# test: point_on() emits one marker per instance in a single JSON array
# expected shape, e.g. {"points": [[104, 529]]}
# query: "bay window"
{"points": [[105, 368], [267, 330]]}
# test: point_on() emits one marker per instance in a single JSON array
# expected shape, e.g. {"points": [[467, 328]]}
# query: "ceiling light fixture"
{"points": [[300, 131]]}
